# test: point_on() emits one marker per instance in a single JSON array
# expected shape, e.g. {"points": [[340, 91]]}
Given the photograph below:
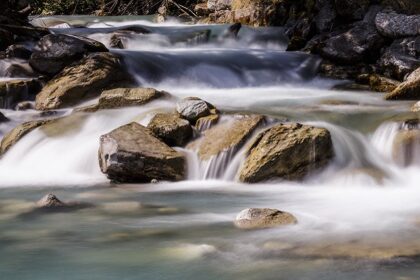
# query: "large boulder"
{"points": [[288, 151], [393, 25], [401, 58], [172, 129], [408, 90], [225, 136], [193, 108], [55, 51], [18, 133], [78, 82], [257, 218], [131, 153], [14, 91]]}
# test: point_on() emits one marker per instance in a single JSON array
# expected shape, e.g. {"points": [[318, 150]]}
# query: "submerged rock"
{"points": [[173, 130], [408, 90], [50, 202], [225, 136], [3, 118], [393, 25], [288, 151], [55, 51], [254, 218], [80, 81], [193, 108], [131, 153]]}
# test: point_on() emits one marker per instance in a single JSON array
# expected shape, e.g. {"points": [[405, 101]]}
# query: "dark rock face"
{"points": [[408, 90], [325, 19], [288, 151], [395, 25], [193, 108], [401, 58], [77, 82], [360, 43], [173, 130], [352, 9], [55, 51], [18, 51], [132, 154], [3, 118], [258, 218]]}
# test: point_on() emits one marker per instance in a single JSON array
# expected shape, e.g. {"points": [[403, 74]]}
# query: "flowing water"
{"points": [[358, 219]]}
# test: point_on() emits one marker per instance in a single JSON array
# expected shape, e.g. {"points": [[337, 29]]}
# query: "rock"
{"points": [[55, 51], [80, 81], [16, 69], [217, 5], [6, 39], [416, 107], [401, 58], [225, 136], [18, 133], [25, 105], [3, 118], [300, 33], [325, 18], [14, 91], [393, 25], [207, 122], [361, 42], [406, 147], [254, 218], [201, 9], [378, 83], [408, 90], [171, 129], [25, 33], [18, 51], [351, 10], [410, 7], [51, 202], [193, 108], [132, 154], [288, 151]]}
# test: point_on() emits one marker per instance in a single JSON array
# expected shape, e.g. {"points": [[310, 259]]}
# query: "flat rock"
{"points": [[231, 134], [83, 80], [171, 129], [132, 154], [193, 108], [288, 151], [255, 218], [393, 25], [408, 90]]}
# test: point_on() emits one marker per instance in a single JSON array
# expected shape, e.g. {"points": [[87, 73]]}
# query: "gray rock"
{"points": [[173, 130], [193, 108], [132, 154], [257, 218], [55, 51], [393, 25], [288, 151]]}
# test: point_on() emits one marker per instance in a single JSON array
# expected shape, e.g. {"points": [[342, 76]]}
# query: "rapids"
{"points": [[354, 217]]}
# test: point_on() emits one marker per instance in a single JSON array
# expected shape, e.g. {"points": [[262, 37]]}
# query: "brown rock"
{"points": [[207, 122], [253, 218], [408, 90], [15, 91], [171, 129]]}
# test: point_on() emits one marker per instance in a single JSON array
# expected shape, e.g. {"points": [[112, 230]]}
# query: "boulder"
{"points": [[361, 42], [18, 133], [378, 83], [401, 58], [132, 154], [410, 7], [55, 51], [351, 10], [288, 151], [18, 51], [408, 90], [171, 129], [15, 91], [257, 218], [193, 108], [393, 25], [79, 82], [225, 136]]}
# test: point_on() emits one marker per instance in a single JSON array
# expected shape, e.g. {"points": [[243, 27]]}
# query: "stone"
{"points": [[16, 69], [326, 16], [3, 118], [287, 151], [416, 107], [207, 122], [18, 133], [25, 105], [193, 108], [217, 5], [378, 83], [393, 25], [15, 91], [81, 81], [131, 154], [351, 10], [51, 202], [408, 90], [56, 51], [6, 39], [225, 136], [259, 218], [171, 129], [18, 51]]}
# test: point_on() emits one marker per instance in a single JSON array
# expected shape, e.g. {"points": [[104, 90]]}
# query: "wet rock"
{"points": [[207, 122], [3, 118], [18, 133], [401, 58], [233, 30], [406, 147], [55, 51], [6, 39], [326, 16], [300, 33], [171, 129], [51, 202], [131, 153], [288, 151], [18, 51], [254, 218], [16, 69], [410, 7], [393, 25], [408, 90], [193, 108], [416, 107], [378, 83], [217, 5], [14, 91], [26, 32], [361, 42], [25, 105], [80, 81], [351, 9], [225, 136]]}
